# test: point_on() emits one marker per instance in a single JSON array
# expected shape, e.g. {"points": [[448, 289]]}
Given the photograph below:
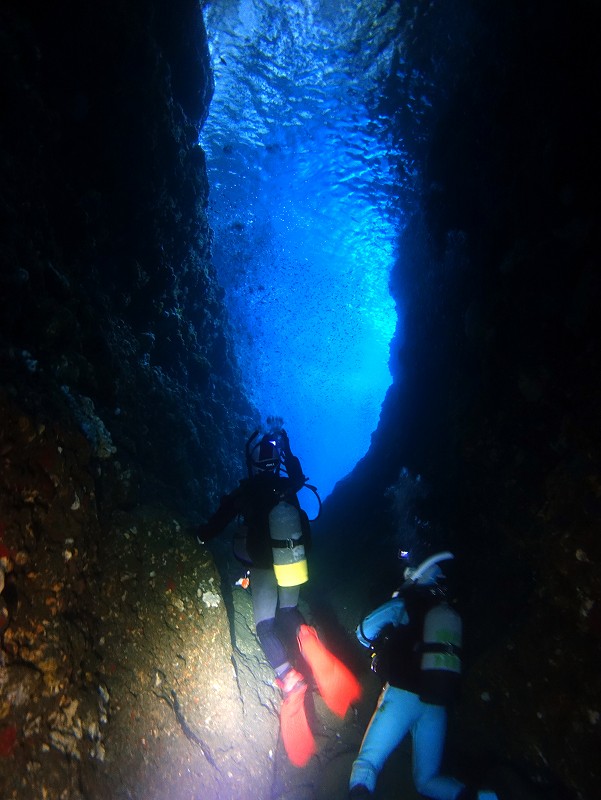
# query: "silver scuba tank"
{"points": [[289, 557], [441, 647]]}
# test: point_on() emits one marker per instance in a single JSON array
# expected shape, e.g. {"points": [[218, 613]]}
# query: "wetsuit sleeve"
{"points": [[293, 467], [295, 473], [231, 505], [391, 613]]}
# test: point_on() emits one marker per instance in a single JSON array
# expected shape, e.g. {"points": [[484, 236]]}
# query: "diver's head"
{"points": [[267, 452], [267, 457]]}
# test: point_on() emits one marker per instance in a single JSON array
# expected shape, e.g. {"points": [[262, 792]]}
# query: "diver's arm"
{"points": [[230, 506], [291, 464], [295, 473], [391, 613]]}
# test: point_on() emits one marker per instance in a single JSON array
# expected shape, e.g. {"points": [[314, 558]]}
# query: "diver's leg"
{"points": [[265, 599], [288, 599], [429, 732], [395, 713], [288, 619], [296, 734]]}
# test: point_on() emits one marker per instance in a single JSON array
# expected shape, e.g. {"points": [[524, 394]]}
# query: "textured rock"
{"points": [[118, 676], [108, 294], [497, 382]]}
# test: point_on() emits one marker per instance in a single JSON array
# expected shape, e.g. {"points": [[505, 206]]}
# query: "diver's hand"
{"points": [[285, 443], [205, 533]]}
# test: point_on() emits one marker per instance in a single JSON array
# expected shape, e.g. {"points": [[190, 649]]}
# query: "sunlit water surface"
{"points": [[305, 214]]}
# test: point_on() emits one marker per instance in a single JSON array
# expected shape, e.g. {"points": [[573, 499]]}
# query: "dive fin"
{"points": [[296, 734], [336, 683]]}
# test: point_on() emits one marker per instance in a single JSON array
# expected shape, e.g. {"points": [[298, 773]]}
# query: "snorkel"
{"points": [[412, 576]]}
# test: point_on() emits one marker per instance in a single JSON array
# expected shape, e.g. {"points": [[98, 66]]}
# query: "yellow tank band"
{"points": [[441, 661], [291, 574]]}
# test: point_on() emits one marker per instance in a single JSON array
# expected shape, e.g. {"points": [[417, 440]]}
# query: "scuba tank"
{"points": [[440, 664], [288, 549], [422, 655]]}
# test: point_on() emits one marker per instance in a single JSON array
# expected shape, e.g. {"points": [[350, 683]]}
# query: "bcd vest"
{"points": [[423, 656]]}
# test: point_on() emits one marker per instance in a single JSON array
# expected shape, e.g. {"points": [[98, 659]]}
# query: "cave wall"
{"points": [[121, 418], [496, 394], [110, 310]]}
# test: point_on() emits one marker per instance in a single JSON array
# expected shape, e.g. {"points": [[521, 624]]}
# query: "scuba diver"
{"points": [[416, 649], [273, 544]]}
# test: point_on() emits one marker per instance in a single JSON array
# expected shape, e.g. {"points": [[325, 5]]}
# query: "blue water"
{"points": [[305, 215]]}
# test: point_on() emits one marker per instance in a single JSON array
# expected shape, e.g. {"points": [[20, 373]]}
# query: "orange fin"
{"points": [[296, 734], [336, 683]]}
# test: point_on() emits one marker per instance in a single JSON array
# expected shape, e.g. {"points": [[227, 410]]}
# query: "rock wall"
{"points": [[110, 308], [120, 407], [497, 389], [117, 674]]}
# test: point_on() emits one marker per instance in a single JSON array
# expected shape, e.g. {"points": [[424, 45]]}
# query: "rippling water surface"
{"points": [[306, 214]]}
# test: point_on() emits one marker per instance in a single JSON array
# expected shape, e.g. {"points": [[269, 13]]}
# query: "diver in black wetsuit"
{"points": [[276, 535]]}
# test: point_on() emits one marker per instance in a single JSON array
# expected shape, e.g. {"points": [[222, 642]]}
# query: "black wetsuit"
{"points": [[253, 499]]}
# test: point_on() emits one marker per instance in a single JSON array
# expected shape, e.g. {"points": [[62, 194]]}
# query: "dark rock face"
{"points": [[497, 393], [117, 677], [108, 289]]}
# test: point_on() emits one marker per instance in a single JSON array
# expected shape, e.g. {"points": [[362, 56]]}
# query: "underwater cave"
{"points": [[376, 220]]}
